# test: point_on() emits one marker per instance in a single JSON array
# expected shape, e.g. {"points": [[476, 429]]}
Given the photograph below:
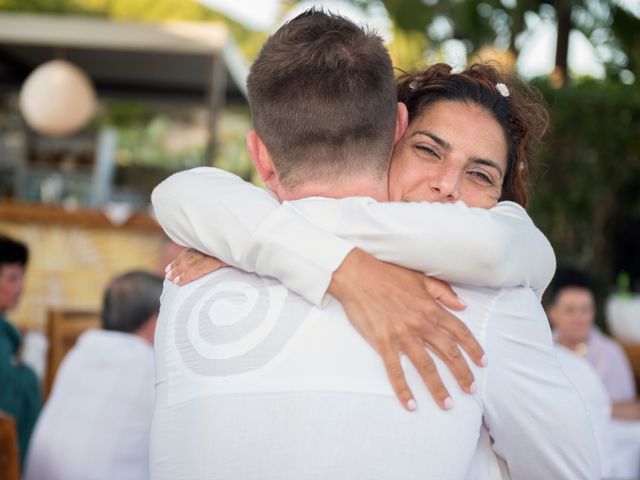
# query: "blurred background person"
{"points": [[19, 386], [599, 368], [96, 422], [571, 310]]}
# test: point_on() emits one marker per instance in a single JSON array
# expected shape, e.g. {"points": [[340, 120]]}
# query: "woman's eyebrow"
{"points": [[443, 143], [447, 146], [488, 163]]}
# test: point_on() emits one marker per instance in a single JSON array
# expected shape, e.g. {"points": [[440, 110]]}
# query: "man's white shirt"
{"points": [[96, 422], [267, 384]]}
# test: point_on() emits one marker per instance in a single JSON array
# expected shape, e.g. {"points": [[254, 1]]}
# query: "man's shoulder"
{"points": [[604, 342]]}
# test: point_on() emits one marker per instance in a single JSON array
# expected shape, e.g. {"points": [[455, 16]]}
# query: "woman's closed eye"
{"points": [[481, 177], [428, 151]]}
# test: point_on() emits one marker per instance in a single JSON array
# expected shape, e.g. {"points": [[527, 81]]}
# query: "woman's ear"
{"points": [[260, 156], [402, 122]]}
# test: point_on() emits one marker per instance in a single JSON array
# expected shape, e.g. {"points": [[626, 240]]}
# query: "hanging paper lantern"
{"points": [[57, 98]]}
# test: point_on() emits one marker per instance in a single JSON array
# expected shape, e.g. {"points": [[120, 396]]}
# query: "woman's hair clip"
{"points": [[502, 89], [413, 86]]}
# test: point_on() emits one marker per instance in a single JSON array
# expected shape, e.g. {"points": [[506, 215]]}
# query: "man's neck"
{"points": [[341, 188]]}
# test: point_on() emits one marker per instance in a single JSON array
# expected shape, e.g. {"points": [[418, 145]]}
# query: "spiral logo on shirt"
{"points": [[236, 322]]}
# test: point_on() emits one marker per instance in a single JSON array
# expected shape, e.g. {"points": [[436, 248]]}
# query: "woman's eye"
{"points": [[427, 150], [482, 177]]}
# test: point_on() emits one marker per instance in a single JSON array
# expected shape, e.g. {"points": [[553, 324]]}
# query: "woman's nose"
{"points": [[447, 185]]}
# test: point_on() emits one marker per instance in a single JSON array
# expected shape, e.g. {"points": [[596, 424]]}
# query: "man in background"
{"points": [[19, 387], [600, 370], [571, 309], [96, 422]]}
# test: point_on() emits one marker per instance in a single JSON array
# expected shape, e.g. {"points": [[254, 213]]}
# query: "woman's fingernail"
{"points": [[412, 405], [167, 268], [177, 279], [473, 388], [448, 403], [484, 361], [462, 302]]}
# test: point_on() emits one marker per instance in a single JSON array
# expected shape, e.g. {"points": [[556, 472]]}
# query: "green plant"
{"points": [[587, 184]]}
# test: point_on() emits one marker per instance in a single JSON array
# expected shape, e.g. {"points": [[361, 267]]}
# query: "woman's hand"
{"points": [[399, 312], [190, 265]]}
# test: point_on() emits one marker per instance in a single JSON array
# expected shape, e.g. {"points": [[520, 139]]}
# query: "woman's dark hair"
{"points": [[521, 112]]}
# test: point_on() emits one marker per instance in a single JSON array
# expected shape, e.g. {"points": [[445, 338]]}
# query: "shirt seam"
{"points": [[487, 343]]}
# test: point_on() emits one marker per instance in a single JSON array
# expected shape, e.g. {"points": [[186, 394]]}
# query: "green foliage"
{"points": [[609, 27], [588, 181]]}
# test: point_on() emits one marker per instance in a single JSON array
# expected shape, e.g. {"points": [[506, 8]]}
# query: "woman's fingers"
{"points": [[427, 369], [396, 309], [460, 334], [191, 265], [181, 263], [447, 349], [200, 269], [392, 364], [442, 292]]}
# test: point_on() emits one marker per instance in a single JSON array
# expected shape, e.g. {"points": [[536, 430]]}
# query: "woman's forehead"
{"points": [[462, 125]]}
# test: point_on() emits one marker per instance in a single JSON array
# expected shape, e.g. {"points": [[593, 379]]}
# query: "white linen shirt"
{"points": [[271, 387], [95, 424]]}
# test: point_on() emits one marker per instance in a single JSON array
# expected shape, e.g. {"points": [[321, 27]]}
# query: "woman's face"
{"points": [[452, 151]]}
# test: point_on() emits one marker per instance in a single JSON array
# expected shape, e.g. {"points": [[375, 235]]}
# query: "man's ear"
{"points": [[260, 156], [402, 122]]}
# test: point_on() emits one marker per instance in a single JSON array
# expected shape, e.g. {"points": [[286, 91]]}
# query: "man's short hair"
{"points": [[323, 99], [130, 300], [12, 251], [567, 277]]}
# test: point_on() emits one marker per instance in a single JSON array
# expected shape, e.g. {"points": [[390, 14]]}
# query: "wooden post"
{"points": [[563, 12], [9, 458]]}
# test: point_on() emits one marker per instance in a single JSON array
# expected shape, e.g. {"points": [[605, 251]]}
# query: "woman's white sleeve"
{"points": [[498, 247], [301, 243], [218, 213]]}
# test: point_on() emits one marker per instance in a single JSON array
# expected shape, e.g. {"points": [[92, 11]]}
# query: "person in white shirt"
{"points": [[95, 424], [618, 438], [571, 308], [255, 382]]}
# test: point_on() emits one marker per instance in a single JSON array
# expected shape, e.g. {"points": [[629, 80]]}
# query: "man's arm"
{"points": [[538, 420]]}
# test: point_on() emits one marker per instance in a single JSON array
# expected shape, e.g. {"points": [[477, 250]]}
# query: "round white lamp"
{"points": [[57, 98]]}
